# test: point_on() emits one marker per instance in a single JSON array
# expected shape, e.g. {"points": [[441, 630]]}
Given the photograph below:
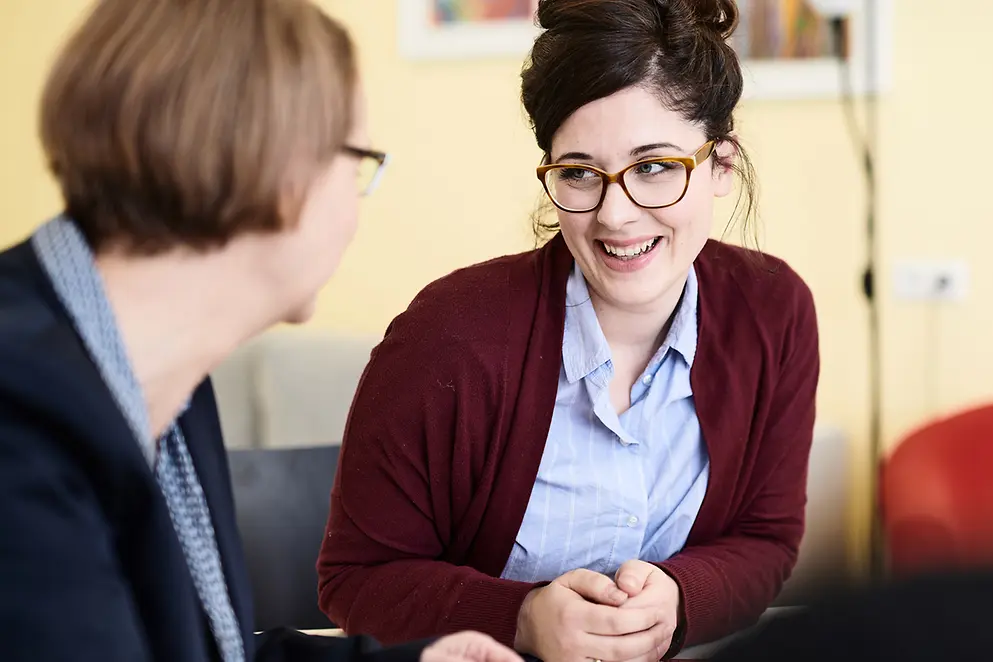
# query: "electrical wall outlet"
{"points": [[931, 280]]}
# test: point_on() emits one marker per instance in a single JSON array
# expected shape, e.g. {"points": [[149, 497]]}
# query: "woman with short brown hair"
{"points": [[210, 155]]}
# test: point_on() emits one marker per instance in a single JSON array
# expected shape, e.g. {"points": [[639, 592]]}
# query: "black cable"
{"points": [[865, 147]]}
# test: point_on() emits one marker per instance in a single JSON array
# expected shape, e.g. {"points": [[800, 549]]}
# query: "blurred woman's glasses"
{"points": [[371, 166], [650, 183]]}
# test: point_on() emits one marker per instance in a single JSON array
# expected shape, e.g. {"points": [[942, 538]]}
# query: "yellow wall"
{"points": [[429, 217]]}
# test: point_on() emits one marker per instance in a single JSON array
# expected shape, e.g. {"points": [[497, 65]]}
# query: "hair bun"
{"points": [[563, 15], [717, 16]]}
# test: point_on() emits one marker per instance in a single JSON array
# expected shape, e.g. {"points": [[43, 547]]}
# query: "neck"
{"points": [[180, 314], [638, 331]]}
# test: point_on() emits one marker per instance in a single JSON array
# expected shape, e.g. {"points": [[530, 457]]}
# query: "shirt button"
{"points": [[632, 521], [646, 380]]}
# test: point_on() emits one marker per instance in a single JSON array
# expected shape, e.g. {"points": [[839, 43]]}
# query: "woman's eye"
{"points": [[575, 174], [654, 168]]}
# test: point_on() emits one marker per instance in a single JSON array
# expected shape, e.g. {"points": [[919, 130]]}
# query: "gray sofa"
{"points": [[293, 387]]}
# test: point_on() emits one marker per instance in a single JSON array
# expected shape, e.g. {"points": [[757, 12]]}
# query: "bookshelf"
{"points": [[810, 76], [768, 77]]}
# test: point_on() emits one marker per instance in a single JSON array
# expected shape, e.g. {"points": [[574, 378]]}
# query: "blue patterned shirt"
{"points": [[615, 488]]}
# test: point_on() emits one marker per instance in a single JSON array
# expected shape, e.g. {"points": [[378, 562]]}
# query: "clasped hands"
{"points": [[584, 615]]}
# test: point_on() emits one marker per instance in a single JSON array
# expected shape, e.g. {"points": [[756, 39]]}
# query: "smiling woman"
{"points": [[597, 449], [191, 224]]}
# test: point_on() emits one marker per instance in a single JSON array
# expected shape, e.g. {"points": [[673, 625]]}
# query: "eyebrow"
{"points": [[637, 151]]}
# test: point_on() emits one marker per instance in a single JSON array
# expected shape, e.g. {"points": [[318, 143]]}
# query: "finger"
{"points": [[475, 646], [611, 621], [594, 587], [473, 654], [430, 655], [647, 646], [633, 576], [657, 593], [651, 595], [660, 645], [490, 651], [436, 655]]}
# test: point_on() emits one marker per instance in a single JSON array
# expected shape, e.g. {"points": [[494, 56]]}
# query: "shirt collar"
{"points": [[584, 347], [683, 331]]}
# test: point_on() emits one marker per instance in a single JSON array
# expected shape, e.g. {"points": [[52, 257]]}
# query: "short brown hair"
{"points": [[186, 122]]}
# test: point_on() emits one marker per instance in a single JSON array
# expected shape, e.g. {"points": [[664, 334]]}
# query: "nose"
{"points": [[617, 209]]}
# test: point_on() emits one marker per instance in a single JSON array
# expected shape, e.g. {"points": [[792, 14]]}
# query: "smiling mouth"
{"points": [[629, 252]]}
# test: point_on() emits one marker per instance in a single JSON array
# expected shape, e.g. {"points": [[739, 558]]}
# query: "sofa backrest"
{"points": [[290, 388]]}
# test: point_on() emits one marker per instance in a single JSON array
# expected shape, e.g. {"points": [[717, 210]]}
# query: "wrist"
{"points": [[679, 634], [523, 640]]}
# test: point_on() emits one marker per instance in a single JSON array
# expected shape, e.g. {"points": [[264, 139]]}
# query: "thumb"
{"points": [[594, 587], [633, 576]]}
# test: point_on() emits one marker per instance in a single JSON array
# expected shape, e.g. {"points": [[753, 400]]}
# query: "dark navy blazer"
{"points": [[90, 567]]}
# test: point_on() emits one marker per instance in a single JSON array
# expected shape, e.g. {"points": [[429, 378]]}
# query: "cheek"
{"points": [[326, 227], [688, 217], [576, 225], [344, 217], [690, 220], [576, 229], [336, 207]]}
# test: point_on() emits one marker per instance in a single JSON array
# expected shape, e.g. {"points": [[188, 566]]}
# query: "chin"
{"points": [[302, 314], [639, 291], [636, 298]]}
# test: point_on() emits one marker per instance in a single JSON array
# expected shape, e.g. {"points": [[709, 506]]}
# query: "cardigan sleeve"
{"points": [[406, 480], [727, 583]]}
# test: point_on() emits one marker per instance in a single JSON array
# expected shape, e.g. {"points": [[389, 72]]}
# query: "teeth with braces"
{"points": [[630, 251]]}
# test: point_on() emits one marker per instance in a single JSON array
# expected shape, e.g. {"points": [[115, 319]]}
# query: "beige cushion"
{"points": [[305, 384], [823, 557], [234, 387], [290, 387]]}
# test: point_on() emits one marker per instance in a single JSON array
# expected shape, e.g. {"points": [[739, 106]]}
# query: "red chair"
{"points": [[936, 495]]}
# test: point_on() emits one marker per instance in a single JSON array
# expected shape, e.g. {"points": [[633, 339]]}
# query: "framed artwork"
{"points": [[785, 45], [458, 29], [786, 49]]}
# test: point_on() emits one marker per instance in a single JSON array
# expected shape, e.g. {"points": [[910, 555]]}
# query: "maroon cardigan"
{"points": [[446, 433]]}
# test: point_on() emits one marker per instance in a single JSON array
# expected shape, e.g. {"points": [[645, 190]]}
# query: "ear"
{"points": [[724, 155]]}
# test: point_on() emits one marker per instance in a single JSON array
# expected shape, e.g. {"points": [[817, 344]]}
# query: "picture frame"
{"points": [[422, 37], [869, 46]]}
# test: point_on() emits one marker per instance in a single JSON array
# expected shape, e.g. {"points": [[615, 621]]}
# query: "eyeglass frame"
{"points": [[690, 163], [382, 159]]}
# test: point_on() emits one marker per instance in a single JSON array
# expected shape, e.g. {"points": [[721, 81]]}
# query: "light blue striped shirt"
{"points": [[615, 488]]}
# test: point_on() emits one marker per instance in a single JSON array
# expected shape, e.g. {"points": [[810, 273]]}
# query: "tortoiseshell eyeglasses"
{"points": [[651, 183]]}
